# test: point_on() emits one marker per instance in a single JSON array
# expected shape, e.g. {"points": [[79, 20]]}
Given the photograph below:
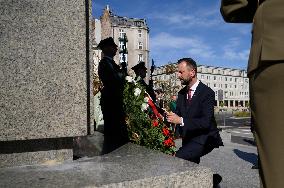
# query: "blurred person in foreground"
{"points": [[265, 71]]}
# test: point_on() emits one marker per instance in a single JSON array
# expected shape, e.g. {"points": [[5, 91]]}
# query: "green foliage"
{"points": [[247, 104], [141, 120], [242, 114]]}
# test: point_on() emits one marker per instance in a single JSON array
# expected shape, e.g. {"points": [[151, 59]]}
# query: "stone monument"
{"points": [[45, 78]]}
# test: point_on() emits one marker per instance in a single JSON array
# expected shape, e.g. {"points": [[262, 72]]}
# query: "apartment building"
{"points": [[231, 86], [137, 37]]}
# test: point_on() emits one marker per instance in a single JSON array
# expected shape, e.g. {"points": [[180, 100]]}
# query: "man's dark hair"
{"points": [[189, 62]]}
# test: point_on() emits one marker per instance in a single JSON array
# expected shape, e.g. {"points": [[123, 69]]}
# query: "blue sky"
{"points": [[186, 28]]}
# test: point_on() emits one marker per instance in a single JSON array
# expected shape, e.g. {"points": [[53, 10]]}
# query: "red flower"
{"points": [[169, 142], [166, 132], [155, 123]]}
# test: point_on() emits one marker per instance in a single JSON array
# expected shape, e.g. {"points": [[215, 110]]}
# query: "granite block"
{"points": [[45, 69], [27, 152], [91, 145], [128, 166], [32, 158]]}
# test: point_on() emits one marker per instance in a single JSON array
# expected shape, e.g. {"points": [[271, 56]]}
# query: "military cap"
{"points": [[106, 42], [140, 65]]}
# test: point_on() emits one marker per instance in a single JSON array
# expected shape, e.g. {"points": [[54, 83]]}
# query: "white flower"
{"points": [[129, 79], [144, 106], [137, 91], [146, 99]]}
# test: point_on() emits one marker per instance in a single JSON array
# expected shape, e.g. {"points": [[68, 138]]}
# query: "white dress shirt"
{"points": [[192, 88]]}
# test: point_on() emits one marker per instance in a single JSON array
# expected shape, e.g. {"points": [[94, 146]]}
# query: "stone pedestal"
{"points": [[45, 79], [128, 166]]}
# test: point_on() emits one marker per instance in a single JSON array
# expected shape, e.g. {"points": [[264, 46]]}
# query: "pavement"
{"points": [[233, 162]]}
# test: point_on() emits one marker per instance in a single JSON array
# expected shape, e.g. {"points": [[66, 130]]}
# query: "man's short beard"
{"points": [[185, 82]]}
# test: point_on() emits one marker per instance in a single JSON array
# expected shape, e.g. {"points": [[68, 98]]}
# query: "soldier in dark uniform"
{"points": [[112, 77], [140, 72]]}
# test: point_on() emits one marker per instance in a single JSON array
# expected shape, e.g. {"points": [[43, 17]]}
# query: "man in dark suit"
{"points": [[112, 77], [265, 71], [194, 114]]}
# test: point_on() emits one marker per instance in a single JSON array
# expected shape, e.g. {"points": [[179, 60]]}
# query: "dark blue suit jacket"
{"points": [[199, 133]]}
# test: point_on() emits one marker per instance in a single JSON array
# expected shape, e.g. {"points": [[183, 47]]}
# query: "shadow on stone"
{"points": [[88, 146], [249, 157]]}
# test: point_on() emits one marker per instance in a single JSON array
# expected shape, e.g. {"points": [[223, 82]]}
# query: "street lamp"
{"points": [[151, 84], [124, 52]]}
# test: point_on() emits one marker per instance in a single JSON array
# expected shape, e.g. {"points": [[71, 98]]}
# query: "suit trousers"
{"points": [[190, 151], [267, 105]]}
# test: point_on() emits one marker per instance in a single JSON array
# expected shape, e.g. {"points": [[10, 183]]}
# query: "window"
{"points": [[138, 23], [214, 77], [140, 57], [122, 21], [226, 94], [121, 58], [121, 33], [140, 45], [120, 45], [139, 33]]}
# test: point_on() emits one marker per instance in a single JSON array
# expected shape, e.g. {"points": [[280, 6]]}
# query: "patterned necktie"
{"points": [[189, 95]]}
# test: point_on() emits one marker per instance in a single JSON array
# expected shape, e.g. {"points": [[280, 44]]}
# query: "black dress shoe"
{"points": [[216, 180]]}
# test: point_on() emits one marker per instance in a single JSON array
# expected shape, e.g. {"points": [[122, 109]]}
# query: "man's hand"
{"points": [[173, 118]]}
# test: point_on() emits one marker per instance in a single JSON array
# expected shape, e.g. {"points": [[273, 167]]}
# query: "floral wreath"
{"points": [[146, 126]]}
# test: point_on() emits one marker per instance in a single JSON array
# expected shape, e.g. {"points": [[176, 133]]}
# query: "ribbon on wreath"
{"points": [[153, 106]]}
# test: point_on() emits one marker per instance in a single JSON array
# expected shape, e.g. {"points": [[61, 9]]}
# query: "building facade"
{"points": [[137, 35], [231, 86]]}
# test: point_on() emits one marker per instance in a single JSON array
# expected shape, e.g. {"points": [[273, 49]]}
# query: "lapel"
{"points": [[112, 64], [195, 96], [196, 93], [116, 66]]}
